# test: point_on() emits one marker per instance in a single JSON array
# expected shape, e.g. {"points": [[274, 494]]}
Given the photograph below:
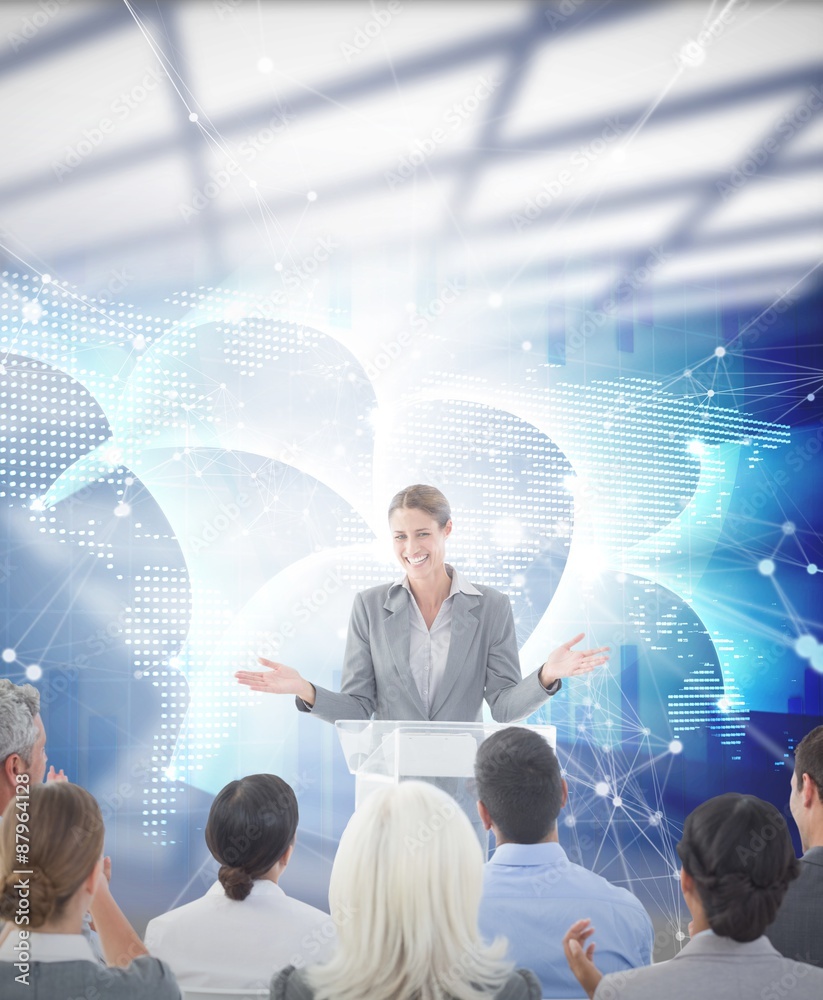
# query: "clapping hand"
{"points": [[580, 957]]}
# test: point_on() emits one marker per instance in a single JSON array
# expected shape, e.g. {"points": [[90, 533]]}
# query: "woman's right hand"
{"points": [[580, 954], [277, 679]]}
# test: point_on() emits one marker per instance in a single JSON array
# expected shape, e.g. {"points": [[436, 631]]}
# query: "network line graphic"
{"points": [[563, 262]]}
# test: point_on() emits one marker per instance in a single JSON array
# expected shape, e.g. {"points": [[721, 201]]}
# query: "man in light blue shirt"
{"points": [[532, 893]]}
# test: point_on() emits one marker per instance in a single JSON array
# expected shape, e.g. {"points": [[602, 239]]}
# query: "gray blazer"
{"points": [[290, 984], [717, 968], [798, 930], [482, 663], [144, 979]]}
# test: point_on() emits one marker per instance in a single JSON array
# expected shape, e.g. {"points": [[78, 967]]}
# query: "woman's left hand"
{"points": [[568, 662]]}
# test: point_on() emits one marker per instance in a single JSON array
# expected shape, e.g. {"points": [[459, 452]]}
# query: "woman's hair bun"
{"points": [[236, 882], [40, 897]]}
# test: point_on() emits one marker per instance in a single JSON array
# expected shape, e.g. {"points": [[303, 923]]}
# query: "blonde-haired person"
{"points": [[431, 645], [44, 955], [404, 892]]}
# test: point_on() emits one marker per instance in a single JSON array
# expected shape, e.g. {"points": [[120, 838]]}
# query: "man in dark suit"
{"points": [[796, 931]]}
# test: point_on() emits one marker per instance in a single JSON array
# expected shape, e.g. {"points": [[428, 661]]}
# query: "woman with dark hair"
{"points": [[245, 928], [431, 645], [52, 872], [737, 863]]}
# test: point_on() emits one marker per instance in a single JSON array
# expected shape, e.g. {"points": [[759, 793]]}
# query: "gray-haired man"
{"points": [[22, 738]]}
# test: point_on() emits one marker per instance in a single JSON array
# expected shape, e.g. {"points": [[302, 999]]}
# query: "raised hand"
{"points": [[568, 662], [56, 775], [580, 957], [277, 679]]}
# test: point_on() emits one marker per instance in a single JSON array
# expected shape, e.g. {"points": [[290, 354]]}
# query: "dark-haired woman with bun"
{"points": [[45, 892], [245, 928], [737, 863]]}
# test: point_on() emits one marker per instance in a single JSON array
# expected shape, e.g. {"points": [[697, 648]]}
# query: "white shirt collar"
{"points": [[49, 948], [459, 585], [260, 887]]}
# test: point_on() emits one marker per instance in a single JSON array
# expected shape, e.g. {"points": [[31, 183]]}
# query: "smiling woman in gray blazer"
{"points": [[430, 646]]}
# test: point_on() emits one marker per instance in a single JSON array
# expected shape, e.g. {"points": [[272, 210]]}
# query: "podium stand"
{"points": [[384, 753]]}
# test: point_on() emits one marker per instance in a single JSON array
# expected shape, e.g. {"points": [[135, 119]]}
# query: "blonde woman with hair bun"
{"points": [[44, 955], [404, 893]]}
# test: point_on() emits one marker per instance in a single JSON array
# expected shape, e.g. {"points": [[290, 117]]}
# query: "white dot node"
{"points": [[495, 300], [766, 567], [569, 821], [8, 655], [45, 278], [805, 646], [265, 65], [122, 509], [34, 672], [675, 747], [811, 569], [193, 116], [617, 801], [680, 935], [687, 373], [278, 266], [789, 528], [810, 397], [312, 195], [526, 345], [720, 352], [602, 788], [710, 393]]}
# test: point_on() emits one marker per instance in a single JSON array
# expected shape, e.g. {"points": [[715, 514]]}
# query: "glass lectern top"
{"points": [[396, 748]]}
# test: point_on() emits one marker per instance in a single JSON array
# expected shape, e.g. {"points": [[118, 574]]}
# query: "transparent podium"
{"points": [[384, 753]]}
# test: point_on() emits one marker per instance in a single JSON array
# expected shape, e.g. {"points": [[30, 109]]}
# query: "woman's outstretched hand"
{"points": [[277, 679], [568, 662]]}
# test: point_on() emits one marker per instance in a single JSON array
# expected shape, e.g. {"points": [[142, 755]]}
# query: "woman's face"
{"points": [[419, 543]]}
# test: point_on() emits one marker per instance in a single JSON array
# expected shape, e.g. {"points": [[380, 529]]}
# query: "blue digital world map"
{"points": [[594, 325]]}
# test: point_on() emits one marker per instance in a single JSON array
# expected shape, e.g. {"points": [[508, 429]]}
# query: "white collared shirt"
{"points": [[49, 948], [429, 647], [240, 944]]}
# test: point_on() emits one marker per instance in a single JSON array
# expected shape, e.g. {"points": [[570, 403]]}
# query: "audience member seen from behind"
{"points": [[22, 739], [404, 892], [531, 891], [48, 957], [737, 862], [798, 929], [245, 928]]}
